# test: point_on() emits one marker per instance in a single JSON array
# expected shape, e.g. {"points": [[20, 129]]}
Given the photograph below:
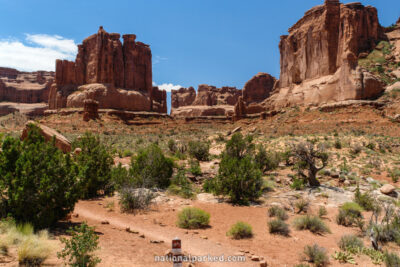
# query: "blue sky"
{"points": [[217, 42]]}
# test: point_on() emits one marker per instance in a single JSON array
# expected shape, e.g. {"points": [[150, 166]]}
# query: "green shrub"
{"points": [[78, 250], [240, 230], [133, 199], [277, 226], [394, 174], [120, 177], [392, 260], [172, 145], [34, 249], [350, 242], [317, 255], [312, 223], [267, 161], [150, 168], [199, 150], [95, 165], [302, 205], [127, 153], [181, 186], [239, 176], [193, 218], [195, 167], [276, 211], [322, 211], [297, 184], [349, 213], [38, 182], [365, 200], [338, 144]]}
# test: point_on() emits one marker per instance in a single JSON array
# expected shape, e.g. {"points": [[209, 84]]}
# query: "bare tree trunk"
{"points": [[312, 178]]}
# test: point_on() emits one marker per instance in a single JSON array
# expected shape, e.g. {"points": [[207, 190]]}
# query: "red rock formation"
{"points": [[90, 110], [182, 97], [258, 88], [61, 142], [24, 87], [240, 109], [103, 59], [319, 56], [209, 101], [159, 103]]}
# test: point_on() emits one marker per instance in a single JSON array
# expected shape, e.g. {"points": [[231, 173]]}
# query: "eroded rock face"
{"points": [[24, 87], [319, 56], [90, 110], [258, 88], [182, 97], [209, 101], [61, 142], [123, 68]]}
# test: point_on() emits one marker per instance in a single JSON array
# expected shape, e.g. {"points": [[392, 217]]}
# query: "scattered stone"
{"points": [[76, 215], [255, 258], [237, 129], [263, 264], [204, 237], [156, 241], [142, 236], [387, 189], [105, 222], [335, 175]]}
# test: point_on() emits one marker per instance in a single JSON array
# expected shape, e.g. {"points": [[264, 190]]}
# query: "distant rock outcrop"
{"points": [[29, 90], [319, 57], [209, 101], [117, 75]]}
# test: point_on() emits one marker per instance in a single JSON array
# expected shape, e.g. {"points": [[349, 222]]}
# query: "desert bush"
{"points": [[79, 249], [276, 211], [302, 205], [365, 200], [181, 186], [338, 144], [350, 242], [392, 259], [267, 161], [278, 226], [312, 223], [195, 167], [95, 163], [297, 184], [199, 150], [38, 182], [238, 176], [350, 213], [172, 145], [34, 249], [317, 255], [150, 168], [133, 199], [322, 211], [311, 158], [120, 177], [240, 230], [193, 218], [394, 174]]}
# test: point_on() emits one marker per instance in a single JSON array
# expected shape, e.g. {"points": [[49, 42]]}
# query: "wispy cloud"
{"points": [[158, 59], [36, 52], [167, 86]]}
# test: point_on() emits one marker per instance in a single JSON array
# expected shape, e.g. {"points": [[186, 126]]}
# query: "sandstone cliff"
{"points": [[319, 57], [26, 92], [118, 75], [209, 101]]}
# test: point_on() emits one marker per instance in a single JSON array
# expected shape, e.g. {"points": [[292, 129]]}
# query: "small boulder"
{"points": [[387, 189], [61, 142], [263, 264]]}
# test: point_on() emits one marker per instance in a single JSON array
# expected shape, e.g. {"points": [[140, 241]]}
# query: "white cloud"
{"points": [[38, 52], [167, 86]]}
